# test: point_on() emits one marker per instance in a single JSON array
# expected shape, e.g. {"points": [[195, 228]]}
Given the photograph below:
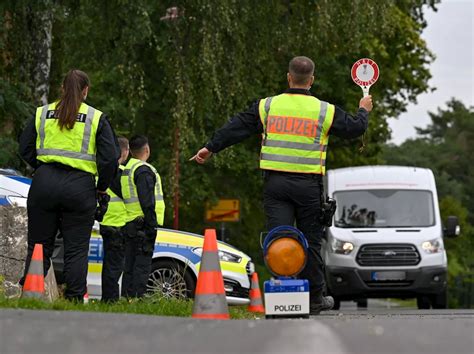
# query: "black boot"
{"points": [[320, 303]]}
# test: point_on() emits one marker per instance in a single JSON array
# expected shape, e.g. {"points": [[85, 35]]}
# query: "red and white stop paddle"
{"points": [[365, 73]]}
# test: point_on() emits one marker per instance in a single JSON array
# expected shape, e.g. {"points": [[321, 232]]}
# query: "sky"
{"points": [[450, 36]]}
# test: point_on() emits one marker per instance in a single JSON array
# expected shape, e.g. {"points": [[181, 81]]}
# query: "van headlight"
{"points": [[432, 246], [223, 255], [341, 247]]}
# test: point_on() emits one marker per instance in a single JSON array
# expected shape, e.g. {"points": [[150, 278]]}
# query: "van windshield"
{"points": [[384, 208]]}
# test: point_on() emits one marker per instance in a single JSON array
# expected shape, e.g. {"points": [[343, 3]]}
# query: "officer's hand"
{"points": [[103, 203], [366, 103], [202, 156]]}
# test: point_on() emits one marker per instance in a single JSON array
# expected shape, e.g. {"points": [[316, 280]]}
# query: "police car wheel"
{"points": [[337, 304], [171, 280]]}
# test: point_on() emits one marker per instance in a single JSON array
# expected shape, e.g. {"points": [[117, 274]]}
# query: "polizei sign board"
{"points": [[286, 297], [284, 304]]}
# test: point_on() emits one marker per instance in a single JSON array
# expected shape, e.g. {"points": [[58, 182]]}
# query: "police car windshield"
{"points": [[384, 208]]}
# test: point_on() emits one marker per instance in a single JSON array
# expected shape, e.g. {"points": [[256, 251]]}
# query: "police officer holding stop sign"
{"points": [[295, 128], [67, 142]]}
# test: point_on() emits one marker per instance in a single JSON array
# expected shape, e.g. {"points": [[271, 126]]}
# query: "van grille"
{"points": [[388, 284], [386, 255]]}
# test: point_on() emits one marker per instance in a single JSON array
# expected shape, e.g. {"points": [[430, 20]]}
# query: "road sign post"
{"points": [[226, 210]]}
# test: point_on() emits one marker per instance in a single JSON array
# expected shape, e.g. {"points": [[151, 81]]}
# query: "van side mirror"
{"points": [[452, 228]]}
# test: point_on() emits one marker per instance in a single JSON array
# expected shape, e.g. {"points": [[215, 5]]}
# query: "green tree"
{"points": [[177, 74], [444, 147]]}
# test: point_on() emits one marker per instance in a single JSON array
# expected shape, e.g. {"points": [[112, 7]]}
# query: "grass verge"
{"points": [[147, 306], [404, 302]]}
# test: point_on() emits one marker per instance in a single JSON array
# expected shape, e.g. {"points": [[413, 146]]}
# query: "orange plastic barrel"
{"points": [[285, 257]]}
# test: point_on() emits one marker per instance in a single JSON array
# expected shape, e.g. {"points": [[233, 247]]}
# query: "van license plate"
{"points": [[383, 276]]}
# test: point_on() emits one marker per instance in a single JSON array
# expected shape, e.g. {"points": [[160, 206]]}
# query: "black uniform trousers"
{"points": [[114, 261], [293, 197], [138, 256], [62, 198]]}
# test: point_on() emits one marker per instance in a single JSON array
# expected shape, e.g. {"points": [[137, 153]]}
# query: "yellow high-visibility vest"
{"points": [[116, 214], [74, 147], [295, 133], [130, 196]]}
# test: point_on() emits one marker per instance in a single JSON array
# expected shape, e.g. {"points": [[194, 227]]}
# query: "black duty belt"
{"points": [[63, 167], [290, 174]]}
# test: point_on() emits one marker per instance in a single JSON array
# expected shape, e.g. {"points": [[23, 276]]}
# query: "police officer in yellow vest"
{"points": [[67, 142], [295, 128], [112, 233], [143, 197]]}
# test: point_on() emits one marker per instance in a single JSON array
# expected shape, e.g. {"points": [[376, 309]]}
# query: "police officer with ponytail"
{"points": [[68, 142], [295, 128]]}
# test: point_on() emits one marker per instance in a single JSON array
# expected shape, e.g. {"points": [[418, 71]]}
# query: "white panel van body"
{"points": [[387, 236]]}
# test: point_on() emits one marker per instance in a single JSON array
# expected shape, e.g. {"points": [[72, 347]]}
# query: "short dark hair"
{"points": [[301, 69], [137, 143], [123, 143]]}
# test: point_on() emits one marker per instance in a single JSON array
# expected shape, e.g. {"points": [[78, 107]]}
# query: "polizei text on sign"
{"points": [[287, 308], [286, 303], [292, 125], [365, 72]]}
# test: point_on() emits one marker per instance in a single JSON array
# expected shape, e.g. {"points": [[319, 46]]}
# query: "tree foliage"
{"points": [[177, 78], [445, 147]]}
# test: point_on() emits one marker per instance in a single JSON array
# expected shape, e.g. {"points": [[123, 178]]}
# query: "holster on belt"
{"points": [[328, 208], [133, 227]]}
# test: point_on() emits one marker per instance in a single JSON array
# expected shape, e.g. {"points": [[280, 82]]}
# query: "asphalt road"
{"points": [[374, 331]]}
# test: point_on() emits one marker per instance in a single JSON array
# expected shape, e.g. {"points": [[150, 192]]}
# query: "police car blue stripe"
{"points": [[96, 251], [21, 179], [181, 250]]}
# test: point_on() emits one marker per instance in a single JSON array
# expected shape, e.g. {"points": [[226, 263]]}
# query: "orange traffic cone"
{"points": [[256, 303], [209, 300], [34, 281]]}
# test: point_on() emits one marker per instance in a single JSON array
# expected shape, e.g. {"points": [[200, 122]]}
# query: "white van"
{"points": [[387, 236]]}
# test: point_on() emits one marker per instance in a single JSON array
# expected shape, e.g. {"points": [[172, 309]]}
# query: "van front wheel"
{"points": [[362, 304], [337, 304], [440, 301], [423, 302]]}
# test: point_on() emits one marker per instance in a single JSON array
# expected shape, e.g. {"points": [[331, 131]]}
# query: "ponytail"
{"points": [[71, 98]]}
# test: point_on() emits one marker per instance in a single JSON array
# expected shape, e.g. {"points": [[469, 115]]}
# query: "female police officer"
{"points": [[67, 142]]}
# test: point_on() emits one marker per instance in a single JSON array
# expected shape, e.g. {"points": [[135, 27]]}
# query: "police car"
{"points": [[13, 188], [175, 266], [176, 258]]}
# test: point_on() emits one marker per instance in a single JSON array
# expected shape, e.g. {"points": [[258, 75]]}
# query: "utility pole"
{"points": [[172, 14], [176, 176]]}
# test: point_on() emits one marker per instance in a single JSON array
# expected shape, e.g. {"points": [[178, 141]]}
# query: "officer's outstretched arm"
{"points": [[201, 156]]}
